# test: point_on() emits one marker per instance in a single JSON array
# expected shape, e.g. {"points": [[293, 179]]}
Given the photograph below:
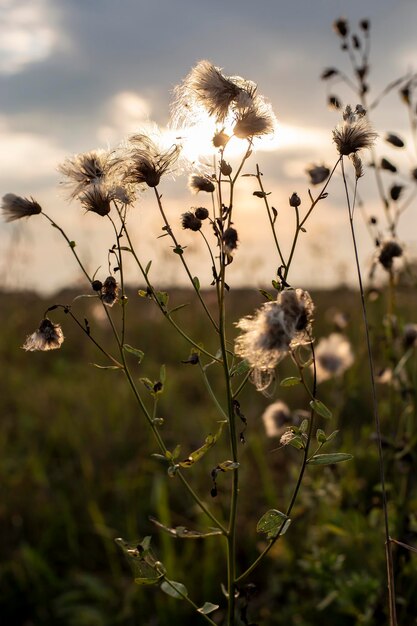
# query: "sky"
{"points": [[82, 74]]}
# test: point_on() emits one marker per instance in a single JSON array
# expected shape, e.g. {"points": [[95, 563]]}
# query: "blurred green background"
{"points": [[76, 472]]}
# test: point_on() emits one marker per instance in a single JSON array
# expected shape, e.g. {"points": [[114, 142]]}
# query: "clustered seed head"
{"points": [[110, 291], [317, 173], [355, 133], [389, 250], [90, 168], [333, 356], [15, 207], [190, 221], [275, 328], [97, 199], [148, 161], [48, 336], [276, 418], [206, 89], [198, 183]]}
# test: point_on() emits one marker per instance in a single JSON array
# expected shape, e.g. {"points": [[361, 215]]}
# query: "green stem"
{"points": [[268, 210], [388, 547], [188, 599]]}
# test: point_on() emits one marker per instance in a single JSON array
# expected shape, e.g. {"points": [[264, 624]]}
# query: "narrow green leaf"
{"points": [[200, 452], [291, 381], [207, 608], [174, 589], [329, 459], [304, 425], [228, 466], [272, 522], [135, 351], [162, 374], [332, 435], [321, 409], [178, 308], [267, 295], [105, 367], [196, 283], [148, 267]]}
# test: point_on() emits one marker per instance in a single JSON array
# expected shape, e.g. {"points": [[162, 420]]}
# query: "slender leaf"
{"points": [[135, 351], [185, 533], [174, 589], [200, 452], [321, 409], [291, 381], [329, 459], [207, 608]]}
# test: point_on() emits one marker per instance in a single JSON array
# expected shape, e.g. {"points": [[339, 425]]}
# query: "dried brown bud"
{"points": [[341, 27], [190, 222], [387, 165], [295, 200], [394, 140]]}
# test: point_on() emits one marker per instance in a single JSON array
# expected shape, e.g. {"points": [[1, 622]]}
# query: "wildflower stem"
{"points": [[121, 272], [268, 210], [177, 246], [231, 536], [312, 393], [187, 599], [388, 547], [211, 392]]}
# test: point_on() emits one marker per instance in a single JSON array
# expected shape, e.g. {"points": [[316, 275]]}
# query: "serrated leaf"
{"points": [[174, 589], [185, 533], [321, 409], [207, 608], [200, 452], [139, 354], [196, 283], [329, 459], [272, 523], [291, 381]]}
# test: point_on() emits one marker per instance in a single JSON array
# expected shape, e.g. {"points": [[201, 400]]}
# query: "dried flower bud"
{"points": [[190, 222], [198, 183], [405, 94], [110, 290], [390, 250], [295, 200], [317, 173], [394, 140], [333, 102], [225, 168], [396, 191], [15, 207], [364, 25], [329, 72], [356, 42], [230, 240], [388, 166], [48, 336], [97, 285], [220, 139], [341, 27], [202, 213]]}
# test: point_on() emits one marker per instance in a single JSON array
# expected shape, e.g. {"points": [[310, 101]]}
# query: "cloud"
{"points": [[27, 34], [127, 112], [27, 158]]}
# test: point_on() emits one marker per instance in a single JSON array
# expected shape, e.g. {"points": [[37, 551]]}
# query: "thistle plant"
{"points": [[234, 363]]}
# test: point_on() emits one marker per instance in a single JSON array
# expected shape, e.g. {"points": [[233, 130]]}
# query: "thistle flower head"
{"points": [[317, 173], [276, 418], [355, 133], [207, 88], [254, 120], [275, 328], [333, 356], [90, 168], [198, 183], [109, 291], [148, 161], [190, 221], [97, 199], [229, 240], [15, 207], [48, 336]]}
